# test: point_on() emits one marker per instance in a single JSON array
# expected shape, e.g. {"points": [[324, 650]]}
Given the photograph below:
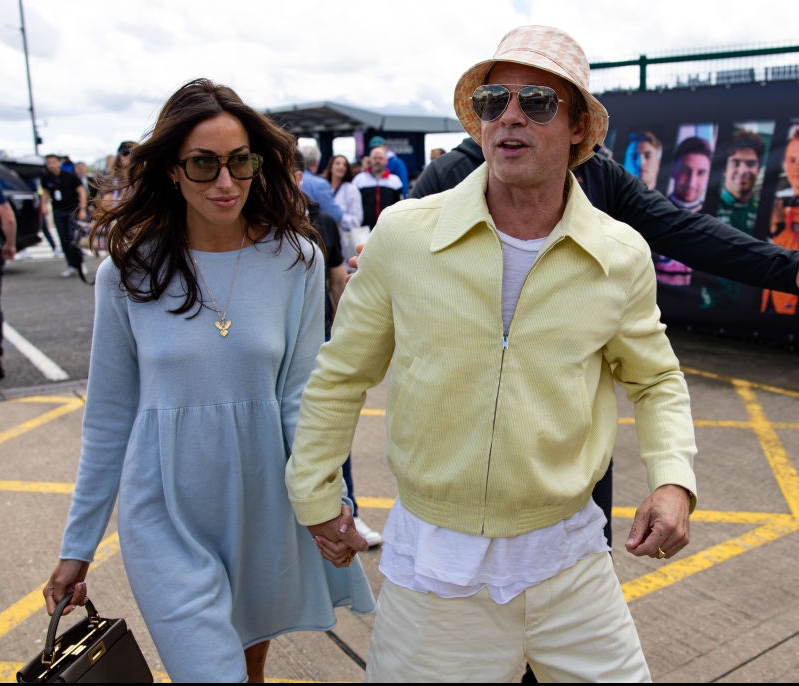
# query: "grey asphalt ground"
{"points": [[726, 609]]}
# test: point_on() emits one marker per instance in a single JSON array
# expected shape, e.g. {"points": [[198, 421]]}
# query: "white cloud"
{"points": [[100, 70]]}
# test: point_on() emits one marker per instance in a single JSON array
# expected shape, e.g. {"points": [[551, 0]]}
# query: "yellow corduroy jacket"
{"points": [[492, 433]]}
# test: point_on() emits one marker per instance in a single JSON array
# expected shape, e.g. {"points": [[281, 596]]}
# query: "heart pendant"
{"points": [[223, 327]]}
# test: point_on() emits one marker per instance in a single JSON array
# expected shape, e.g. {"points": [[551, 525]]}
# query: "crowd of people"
{"points": [[70, 192], [232, 354]]}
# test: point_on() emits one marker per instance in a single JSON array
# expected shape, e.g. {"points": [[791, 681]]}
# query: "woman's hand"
{"points": [[67, 578]]}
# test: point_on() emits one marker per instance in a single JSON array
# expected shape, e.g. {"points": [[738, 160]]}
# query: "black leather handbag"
{"points": [[96, 650]]}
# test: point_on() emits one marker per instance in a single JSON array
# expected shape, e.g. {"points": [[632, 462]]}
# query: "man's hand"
{"points": [[337, 539], [353, 261], [661, 523]]}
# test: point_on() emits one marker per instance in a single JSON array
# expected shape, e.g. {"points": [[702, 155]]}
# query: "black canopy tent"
{"points": [[326, 121]]}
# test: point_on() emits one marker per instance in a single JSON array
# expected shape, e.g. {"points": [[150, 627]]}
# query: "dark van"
{"points": [[26, 201]]}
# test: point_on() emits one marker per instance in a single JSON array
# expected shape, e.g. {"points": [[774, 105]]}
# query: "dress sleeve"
{"points": [[111, 402]]}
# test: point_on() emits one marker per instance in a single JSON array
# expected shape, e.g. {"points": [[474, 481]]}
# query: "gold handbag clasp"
{"points": [[97, 652]]}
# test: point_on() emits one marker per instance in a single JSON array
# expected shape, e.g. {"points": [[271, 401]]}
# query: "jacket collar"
{"points": [[464, 209]]}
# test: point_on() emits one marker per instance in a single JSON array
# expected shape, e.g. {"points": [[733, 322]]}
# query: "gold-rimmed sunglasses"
{"points": [[539, 103]]}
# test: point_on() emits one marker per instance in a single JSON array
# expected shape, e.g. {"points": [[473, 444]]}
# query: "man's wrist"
{"points": [[688, 492], [691, 498]]}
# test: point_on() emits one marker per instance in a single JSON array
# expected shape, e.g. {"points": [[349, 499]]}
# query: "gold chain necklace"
{"points": [[223, 324]]}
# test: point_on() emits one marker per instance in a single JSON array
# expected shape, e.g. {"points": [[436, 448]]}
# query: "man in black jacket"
{"points": [[698, 240]]}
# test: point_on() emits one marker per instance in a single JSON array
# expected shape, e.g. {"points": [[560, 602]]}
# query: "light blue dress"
{"points": [[193, 431]]}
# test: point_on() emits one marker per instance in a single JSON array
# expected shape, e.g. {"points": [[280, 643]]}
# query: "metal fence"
{"points": [[697, 69]]}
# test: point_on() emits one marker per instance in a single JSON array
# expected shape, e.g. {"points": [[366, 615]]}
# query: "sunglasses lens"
{"points": [[202, 168], [489, 102], [540, 104], [124, 152], [243, 167], [206, 167]]}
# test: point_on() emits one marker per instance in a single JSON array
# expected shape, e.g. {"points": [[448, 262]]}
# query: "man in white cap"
{"points": [[507, 307]]}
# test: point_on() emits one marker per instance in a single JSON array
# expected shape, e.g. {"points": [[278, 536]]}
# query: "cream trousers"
{"points": [[574, 627]]}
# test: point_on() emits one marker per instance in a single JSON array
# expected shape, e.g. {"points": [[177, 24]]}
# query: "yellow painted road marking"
{"points": [[36, 486], [781, 465], [34, 601], [682, 568], [68, 404]]}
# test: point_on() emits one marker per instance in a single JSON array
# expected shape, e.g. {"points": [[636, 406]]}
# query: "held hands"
{"points": [[661, 523], [337, 539]]}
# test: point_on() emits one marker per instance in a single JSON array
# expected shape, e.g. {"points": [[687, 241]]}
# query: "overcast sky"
{"points": [[100, 70]]}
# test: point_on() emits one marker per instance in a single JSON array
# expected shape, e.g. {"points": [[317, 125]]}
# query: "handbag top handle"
{"points": [[49, 644]]}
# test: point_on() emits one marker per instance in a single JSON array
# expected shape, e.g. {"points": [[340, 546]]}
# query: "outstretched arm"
{"points": [[699, 240]]}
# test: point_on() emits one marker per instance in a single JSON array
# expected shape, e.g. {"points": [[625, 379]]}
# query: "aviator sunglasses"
{"points": [[539, 103], [204, 168]]}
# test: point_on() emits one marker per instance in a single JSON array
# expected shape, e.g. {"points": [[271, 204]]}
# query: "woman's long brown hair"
{"points": [[145, 231]]}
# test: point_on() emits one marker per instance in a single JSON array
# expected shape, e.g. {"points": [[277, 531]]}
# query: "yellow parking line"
{"points": [[782, 467], [13, 616], [731, 379], [68, 404], [678, 570], [36, 487]]}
